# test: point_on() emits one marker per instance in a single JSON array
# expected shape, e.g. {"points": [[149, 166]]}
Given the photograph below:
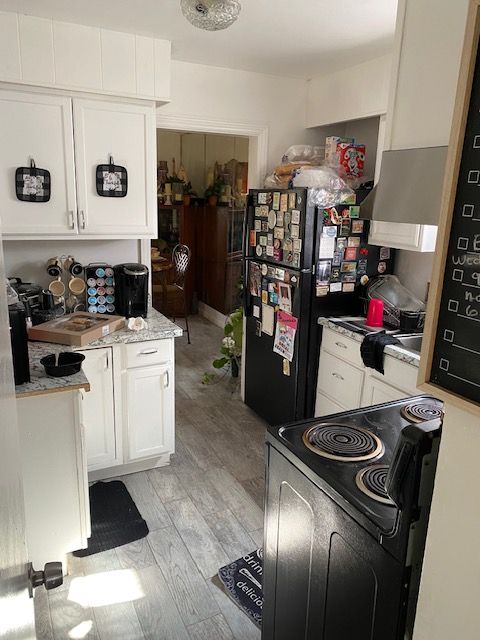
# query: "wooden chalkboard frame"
{"points": [[462, 103]]}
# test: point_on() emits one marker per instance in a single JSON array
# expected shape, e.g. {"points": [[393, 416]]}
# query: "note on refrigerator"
{"points": [[327, 246], [268, 319]]}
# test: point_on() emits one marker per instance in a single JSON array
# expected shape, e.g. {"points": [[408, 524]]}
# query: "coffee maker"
{"points": [[131, 289], [18, 336]]}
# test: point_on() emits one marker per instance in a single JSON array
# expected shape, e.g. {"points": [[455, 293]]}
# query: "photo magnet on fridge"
{"points": [[264, 297], [295, 230], [286, 367], [322, 290], [278, 233], [348, 287], [384, 253], [292, 200], [295, 216], [335, 287], [270, 239], [285, 297], [258, 225], [357, 226], [276, 200], [353, 241], [262, 241], [253, 238], [354, 211], [280, 219], [345, 227], [283, 201], [335, 274], [324, 269], [348, 267], [350, 253], [264, 226], [296, 260], [262, 197], [362, 267], [269, 251]]}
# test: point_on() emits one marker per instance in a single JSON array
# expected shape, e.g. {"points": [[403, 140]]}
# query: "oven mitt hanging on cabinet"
{"points": [[372, 348]]}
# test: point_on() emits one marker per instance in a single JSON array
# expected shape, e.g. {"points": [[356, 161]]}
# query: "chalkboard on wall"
{"points": [[450, 364]]}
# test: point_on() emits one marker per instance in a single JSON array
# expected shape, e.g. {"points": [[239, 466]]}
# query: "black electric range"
{"points": [[347, 506]]}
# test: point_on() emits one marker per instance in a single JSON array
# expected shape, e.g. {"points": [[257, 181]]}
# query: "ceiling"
{"points": [[282, 37]]}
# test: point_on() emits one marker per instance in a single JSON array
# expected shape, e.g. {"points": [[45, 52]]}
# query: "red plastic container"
{"points": [[375, 313]]}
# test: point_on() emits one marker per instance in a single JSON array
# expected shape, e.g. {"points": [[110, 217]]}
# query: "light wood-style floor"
{"points": [[204, 510]]}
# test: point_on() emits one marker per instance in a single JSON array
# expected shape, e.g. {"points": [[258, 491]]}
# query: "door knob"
{"points": [[51, 576]]}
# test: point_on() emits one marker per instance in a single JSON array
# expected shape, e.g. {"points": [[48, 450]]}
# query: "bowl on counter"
{"points": [[60, 365]]}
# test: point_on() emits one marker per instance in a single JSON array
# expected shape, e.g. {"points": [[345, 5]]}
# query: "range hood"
{"points": [[409, 188]]}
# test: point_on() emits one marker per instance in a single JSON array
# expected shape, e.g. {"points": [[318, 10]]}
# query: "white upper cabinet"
{"points": [[125, 132], [63, 55], [37, 127]]}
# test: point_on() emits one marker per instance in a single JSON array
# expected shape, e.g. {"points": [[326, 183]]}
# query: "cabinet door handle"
{"points": [[338, 376], [147, 352], [167, 378], [71, 220], [341, 345], [82, 219], [107, 361]]}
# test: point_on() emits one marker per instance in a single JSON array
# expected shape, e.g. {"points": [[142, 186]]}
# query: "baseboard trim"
{"points": [[211, 314], [131, 467]]}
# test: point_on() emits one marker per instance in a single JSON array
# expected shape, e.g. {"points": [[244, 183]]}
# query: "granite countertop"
{"points": [[396, 351], [40, 383], [159, 328]]}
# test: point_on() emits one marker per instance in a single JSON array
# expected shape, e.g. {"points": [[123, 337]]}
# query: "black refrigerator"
{"points": [[301, 262]]}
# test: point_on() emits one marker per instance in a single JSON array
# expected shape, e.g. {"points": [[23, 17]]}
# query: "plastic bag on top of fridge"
{"points": [[304, 153], [326, 187]]}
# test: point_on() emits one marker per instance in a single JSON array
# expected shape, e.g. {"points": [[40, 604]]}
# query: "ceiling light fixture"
{"points": [[211, 15]]}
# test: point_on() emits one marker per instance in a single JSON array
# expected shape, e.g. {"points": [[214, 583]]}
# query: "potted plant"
{"points": [[212, 192], [188, 192], [231, 348]]}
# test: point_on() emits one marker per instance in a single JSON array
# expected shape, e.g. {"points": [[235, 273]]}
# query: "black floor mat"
{"points": [[242, 581], [115, 518]]}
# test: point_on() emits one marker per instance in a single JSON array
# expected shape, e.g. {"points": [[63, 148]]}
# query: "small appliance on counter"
{"points": [[18, 337], [402, 310], [346, 516], [131, 287]]}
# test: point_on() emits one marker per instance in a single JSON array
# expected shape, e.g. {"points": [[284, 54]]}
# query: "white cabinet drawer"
{"points": [[340, 380], [142, 354], [324, 406], [398, 374], [341, 346]]}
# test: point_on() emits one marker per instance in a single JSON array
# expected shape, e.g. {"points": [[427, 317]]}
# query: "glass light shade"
{"points": [[211, 15]]}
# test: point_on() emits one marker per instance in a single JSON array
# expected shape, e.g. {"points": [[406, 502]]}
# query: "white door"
{"points": [[37, 127], [98, 409], [126, 133], [16, 607], [150, 411]]}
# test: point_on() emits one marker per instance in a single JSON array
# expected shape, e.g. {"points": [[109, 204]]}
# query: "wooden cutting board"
{"points": [[76, 329]]}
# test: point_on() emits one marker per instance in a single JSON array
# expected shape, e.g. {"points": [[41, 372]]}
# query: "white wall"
{"points": [[27, 258], [415, 271], [357, 92], [228, 95]]}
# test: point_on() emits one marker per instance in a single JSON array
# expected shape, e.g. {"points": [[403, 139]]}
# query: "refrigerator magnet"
{"points": [[348, 287], [258, 212], [272, 219], [256, 311], [297, 245], [337, 258], [264, 226], [362, 267], [289, 258], [259, 250], [287, 244], [322, 291], [262, 241], [270, 272], [327, 247], [264, 297], [353, 242], [287, 218], [357, 226], [350, 253], [268, 319], [279, 233], [280, 219], [264, 270], [294, 230], [276, 200], [331, 232], [277, 254], [292, 200], [333, 216], [335, 287], [296, 260], [295, 216], [276, 243], [264, 211], [285, 297], [354, 211], [286, 367], [335, 274], [258, 225], [280, 274], [273, 297], [283, 201], [258, 329], [345, 227], [269, 251], [324, 268], [341, 244], [349, 277], [271, 287], [270, 239], [262, 197], [384, 253], [348, 267], [382, 267], [253, 238]]}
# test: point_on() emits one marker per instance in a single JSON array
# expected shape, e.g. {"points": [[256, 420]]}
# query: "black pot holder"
{"points": [[32, 184], [111, 180]]}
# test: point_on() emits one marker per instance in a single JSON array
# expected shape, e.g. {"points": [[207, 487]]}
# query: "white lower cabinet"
{"points": [[99, 409], [150, 405], [344, 383], [129, 413]]}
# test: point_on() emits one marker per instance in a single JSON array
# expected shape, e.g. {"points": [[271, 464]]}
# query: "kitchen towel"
{"points": [[372, 349]]}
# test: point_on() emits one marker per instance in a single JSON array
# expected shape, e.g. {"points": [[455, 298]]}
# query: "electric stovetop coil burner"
{"points": [[343, 442], [418, 412], [371, 481]]}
